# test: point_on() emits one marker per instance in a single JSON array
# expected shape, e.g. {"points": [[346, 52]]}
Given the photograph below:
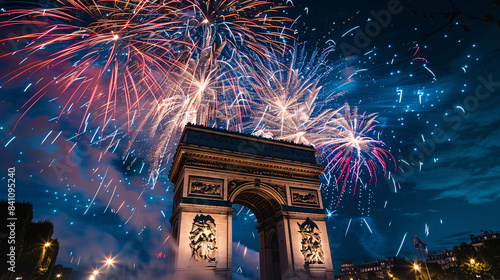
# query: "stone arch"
{"points": [[268, 205], [264, 201]]}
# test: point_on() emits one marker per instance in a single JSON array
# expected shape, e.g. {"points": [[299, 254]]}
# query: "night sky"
{"points": [[450, 188]]}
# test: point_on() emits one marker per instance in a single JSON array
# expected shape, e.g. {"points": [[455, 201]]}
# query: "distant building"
{"points": [[477, 240], [446, 259], [349, 270], [381, 268]]}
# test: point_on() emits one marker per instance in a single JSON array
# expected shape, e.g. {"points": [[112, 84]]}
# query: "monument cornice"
{"points": [[198, 156]]}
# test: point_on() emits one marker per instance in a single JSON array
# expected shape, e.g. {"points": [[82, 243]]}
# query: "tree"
{"points": [[470, 261], [35, 250], [455, 273], [490, 253], [403, 271], [435, 272]]}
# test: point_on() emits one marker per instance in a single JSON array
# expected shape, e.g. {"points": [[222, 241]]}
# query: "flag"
{"points": [[421, 245], [420, 242], [417, 246]]}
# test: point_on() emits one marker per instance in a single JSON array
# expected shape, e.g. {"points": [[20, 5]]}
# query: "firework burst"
{"points": [[246, 25], [349, 149], [107, 54], [292, 108], [152, 67]]}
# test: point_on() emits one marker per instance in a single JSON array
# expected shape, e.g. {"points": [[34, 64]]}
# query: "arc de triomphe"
{"points": [[279, 181]]}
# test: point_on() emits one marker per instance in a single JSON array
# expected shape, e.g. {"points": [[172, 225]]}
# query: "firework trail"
{"points": [[400, 246]]}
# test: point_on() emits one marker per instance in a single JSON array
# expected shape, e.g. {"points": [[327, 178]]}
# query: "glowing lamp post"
{"points": [[109, 262], [417, 268]]}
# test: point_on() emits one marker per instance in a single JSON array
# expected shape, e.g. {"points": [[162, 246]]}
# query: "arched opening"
{"points": [[245, 249], [266, 205]]}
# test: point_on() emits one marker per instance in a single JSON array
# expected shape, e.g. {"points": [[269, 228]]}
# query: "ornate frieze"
{"points": [[203, 239], [304, 197], [205, 187], [311, 247], [194, 160]]}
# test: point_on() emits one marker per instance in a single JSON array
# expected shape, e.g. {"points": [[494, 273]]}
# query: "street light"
{"points": [[109, 261], [472, 261], [47, 244], [417, 268], [58, 276]]}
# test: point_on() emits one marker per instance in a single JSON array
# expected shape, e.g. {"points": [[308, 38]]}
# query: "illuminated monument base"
{"points": [[278, 181]]}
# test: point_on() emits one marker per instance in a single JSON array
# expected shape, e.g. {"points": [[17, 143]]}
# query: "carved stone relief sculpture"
{"points": [[304, 197], [205, 188], [311, 249], [202, 239], [199, 186]]}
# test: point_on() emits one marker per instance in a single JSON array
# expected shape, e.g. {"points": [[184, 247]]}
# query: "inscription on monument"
{"points": [[207, 187], [202, 239], [311, 249], [304, 197]]}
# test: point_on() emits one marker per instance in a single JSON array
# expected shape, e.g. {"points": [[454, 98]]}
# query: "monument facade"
{"points": [[278, 181]]}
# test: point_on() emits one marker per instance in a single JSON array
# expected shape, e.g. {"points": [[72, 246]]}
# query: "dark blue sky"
{"points": [[454, 188]]}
